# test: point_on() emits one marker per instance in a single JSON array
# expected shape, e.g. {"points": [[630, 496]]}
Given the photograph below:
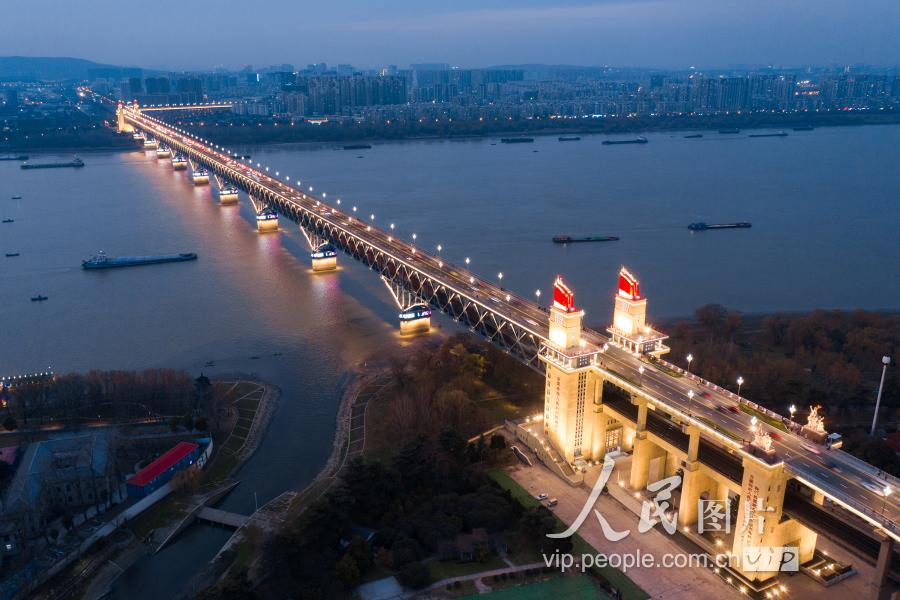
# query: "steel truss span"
{"points": [[366, 244]]}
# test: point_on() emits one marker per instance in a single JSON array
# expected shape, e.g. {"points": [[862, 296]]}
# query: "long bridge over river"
{"points": [[687, 419]]}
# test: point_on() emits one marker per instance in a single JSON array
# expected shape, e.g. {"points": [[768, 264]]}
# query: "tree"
{"points": [[498, 442], [174, 423], [361, 552], [9, 423], [347, 571], [414, 575]]}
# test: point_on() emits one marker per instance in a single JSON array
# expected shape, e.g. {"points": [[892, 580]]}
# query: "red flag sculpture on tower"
{"points": [[563, 297], [629, 286]]}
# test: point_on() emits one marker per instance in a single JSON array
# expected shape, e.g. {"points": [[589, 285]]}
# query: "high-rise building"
{"points": [[12, 99]]}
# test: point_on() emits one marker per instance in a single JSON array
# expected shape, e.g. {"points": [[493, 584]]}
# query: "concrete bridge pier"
{"points": [[693, 481], [883, 588], [227, 197], [324, 258], [415, 319], [267, 221], [644, 450]]}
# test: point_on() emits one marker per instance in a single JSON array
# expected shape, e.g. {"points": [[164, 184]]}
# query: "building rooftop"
{"points": [[161, 464]]}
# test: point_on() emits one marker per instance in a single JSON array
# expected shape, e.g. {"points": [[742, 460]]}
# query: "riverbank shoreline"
{"points": [[618, 126]]}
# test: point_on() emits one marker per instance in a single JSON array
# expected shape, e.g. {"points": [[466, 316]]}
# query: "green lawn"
{"points": [[573, 587], [630, 590], [451, 568]]}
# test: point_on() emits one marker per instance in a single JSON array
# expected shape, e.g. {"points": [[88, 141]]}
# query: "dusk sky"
{"points": [[468, 33]]}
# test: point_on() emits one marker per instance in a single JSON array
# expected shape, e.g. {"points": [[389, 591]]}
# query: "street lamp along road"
{"points": [[690, 358], [885, 361]]}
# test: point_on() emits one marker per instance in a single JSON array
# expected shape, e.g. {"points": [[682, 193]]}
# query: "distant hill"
{"points": [[28, 68]]}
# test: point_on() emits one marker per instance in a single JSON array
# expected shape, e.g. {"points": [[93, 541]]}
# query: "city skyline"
{"points": [[656, 34]]}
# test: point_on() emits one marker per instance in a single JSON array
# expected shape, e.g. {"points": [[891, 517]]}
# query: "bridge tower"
{"points": [[122, 126], [571, 385], [629, 328]]}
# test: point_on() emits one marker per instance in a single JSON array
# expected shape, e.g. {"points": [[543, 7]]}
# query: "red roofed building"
{"points": [[161, 470]]}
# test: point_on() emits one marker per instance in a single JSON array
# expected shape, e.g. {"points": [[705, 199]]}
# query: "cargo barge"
{"points": [[102, 261], [516, 140], [703, 226], [357, 146], [763, 135], [20, 157], [568, 239], [637, 140], [77, 163], [573, 138]]}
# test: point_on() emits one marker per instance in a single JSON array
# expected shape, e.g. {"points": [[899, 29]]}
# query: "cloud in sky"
{"points": [[668, 33]]}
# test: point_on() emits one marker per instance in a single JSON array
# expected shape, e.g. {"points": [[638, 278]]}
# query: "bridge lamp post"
{"points": [[740, 382], [500, 278], [690, 358], [885, 361], [467, 261], [538, 294], [690, 401], [641, 374], [887, 492], [792, 409]]}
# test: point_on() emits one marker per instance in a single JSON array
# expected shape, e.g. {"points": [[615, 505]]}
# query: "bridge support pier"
{"points": [[601, 428], [228, 197], [324, 258], [410, 326], [693, 481], [266, 225], [883, 587]]}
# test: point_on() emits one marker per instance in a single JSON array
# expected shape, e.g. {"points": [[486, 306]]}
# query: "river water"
{"points": [[823, 204]]}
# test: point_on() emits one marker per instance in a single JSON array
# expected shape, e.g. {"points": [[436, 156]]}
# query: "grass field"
{"points": [[573, 587], [629, 589], [244, 397]]}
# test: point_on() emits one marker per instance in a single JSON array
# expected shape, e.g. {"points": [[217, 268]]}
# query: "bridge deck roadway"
{"points": [[841, 477]]}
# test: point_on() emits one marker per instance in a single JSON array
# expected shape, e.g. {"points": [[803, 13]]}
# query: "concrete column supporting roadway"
{"points": [[640, 461], [693, 481], [883, 587], [598, 439], [643, 448]]}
